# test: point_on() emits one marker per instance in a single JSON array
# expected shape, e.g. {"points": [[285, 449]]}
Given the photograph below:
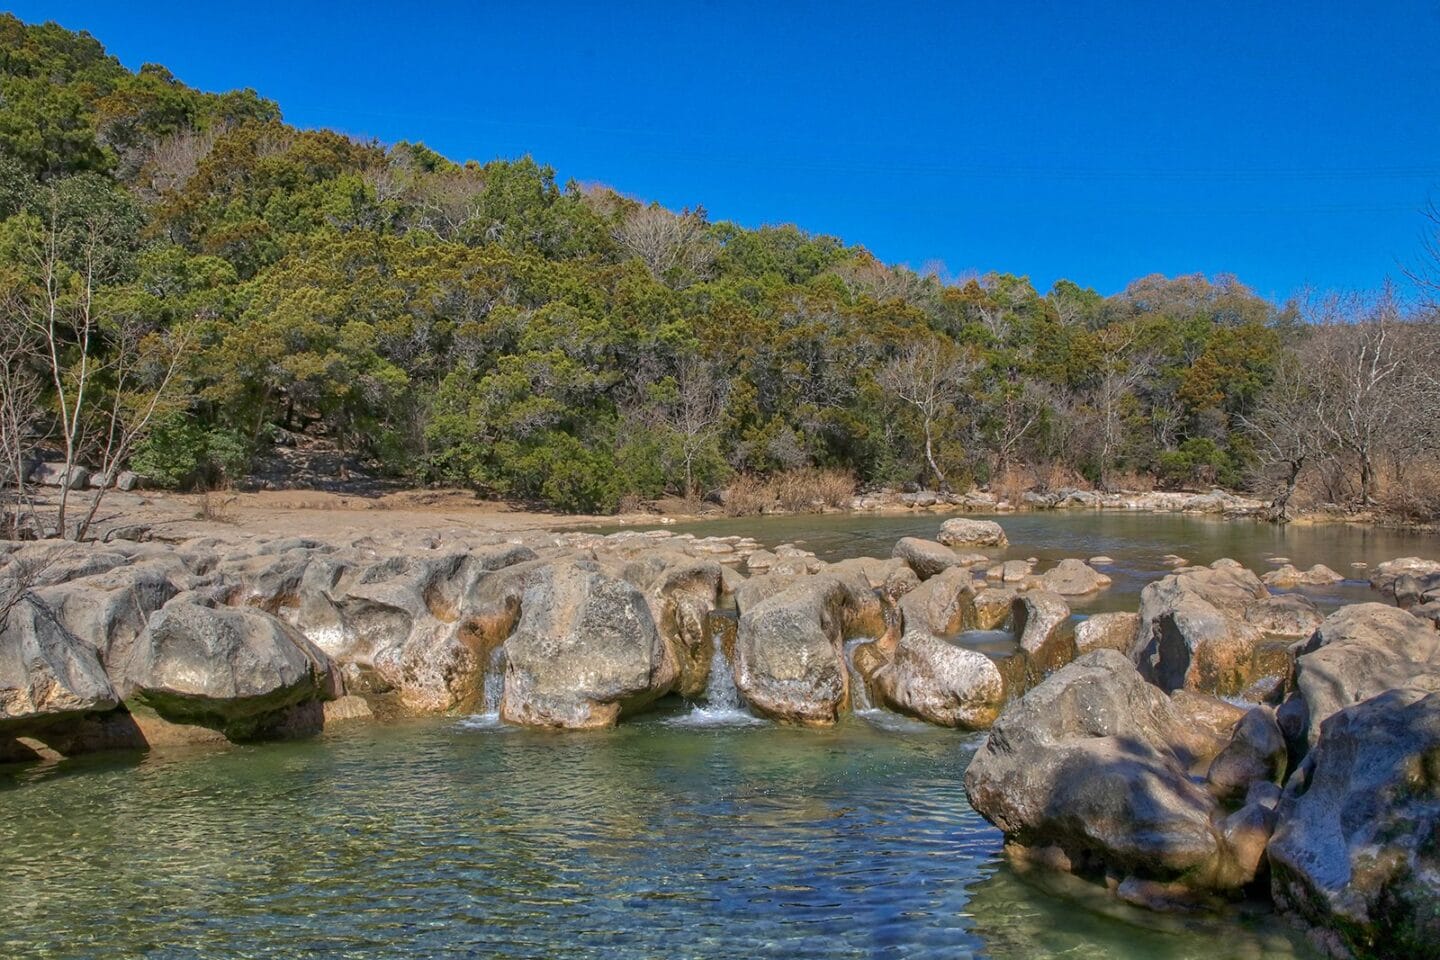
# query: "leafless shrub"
{"points": [[807, 490], [217, 506]]}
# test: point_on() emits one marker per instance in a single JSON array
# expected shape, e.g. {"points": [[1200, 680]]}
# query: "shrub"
{"points": [[178, 453]]}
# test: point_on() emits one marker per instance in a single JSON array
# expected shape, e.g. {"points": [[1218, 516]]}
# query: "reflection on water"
{"points": [[432, 839]]}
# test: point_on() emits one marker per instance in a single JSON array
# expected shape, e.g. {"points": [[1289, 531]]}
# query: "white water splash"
{"points": [[722, 706]]}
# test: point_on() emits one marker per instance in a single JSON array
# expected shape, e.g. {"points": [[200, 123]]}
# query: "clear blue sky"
{"points": [[1289, 143]]}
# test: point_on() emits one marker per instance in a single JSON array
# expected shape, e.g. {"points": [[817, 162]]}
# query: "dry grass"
{"points": [[807, 490], [217, 506]]}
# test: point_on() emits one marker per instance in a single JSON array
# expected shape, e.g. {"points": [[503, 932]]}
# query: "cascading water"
{"points": [[859, 692], [722, 705], [491, 692]]}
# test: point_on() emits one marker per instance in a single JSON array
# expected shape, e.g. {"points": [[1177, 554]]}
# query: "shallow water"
{"points": [[697, 831], [1136, 542], [441, 839]]}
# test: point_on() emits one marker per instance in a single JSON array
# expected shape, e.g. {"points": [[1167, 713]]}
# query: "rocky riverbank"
{"points": [[1195, 749]]}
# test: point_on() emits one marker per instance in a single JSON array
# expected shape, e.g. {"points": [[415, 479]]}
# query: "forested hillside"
{"points": [[217, 279]]}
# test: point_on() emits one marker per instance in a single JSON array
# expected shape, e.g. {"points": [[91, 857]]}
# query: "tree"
{"points": [[675, 247], [688, 405], [19, 416], [1286, 428], [107, 378], [931, 377]]}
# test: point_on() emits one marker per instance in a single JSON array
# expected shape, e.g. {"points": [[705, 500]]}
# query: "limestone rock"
{"points": [[789, 650], [925, 557], [1355, 850], [963, 531], [1359, 652], [1108, 631], [938, 682], [1073, 578], [46, 673], [1290, 576], [231, 669], [584, 650], [1086, 762]]}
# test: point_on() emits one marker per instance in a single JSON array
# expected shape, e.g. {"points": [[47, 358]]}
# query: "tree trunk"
{"points": [[930, 458]]}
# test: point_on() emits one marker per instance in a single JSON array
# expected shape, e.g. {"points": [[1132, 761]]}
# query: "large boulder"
{"points": [[1358, 652], [926, 677], [1398, 579], [1088, 763], [789, 649], [585, 649], [1357, 848], [926, 557], [963, 531], [1205, 628], [46, 673], [682, 593], [1107, 631], [236, 670]]}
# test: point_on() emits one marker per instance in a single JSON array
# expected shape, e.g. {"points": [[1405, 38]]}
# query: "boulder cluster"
{"points": [[1222, 739], [1315, 780]]}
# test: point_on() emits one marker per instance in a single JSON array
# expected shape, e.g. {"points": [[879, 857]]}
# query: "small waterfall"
{"points": [[859, 692], [720, 690], [723, 705], [494, 682], [490, 693]]}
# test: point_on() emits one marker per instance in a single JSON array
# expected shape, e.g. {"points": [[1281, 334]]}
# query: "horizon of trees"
{"points": [[183, 276]]}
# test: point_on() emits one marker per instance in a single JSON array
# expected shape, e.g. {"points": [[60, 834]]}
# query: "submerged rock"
{"points": [[1355, 851]]}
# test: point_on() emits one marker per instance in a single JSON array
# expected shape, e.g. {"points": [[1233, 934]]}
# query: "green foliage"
{"points": [[480, 324], [1199, 461], [180, 453]]}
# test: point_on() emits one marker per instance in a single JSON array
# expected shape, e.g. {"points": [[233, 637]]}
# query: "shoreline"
{"points": [[168, 516]]}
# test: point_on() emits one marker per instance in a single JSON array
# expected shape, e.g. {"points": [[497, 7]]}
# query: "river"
{"points": [[673, 835]]}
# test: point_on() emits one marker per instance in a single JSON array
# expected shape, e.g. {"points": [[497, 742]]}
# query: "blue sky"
{"points": [[1292, 144]]}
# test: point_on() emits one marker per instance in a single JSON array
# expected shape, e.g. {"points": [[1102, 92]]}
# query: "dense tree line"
{"points": [[485, 325]]}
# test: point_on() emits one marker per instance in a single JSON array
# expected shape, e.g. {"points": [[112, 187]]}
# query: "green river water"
{"points": [[686, 833]]}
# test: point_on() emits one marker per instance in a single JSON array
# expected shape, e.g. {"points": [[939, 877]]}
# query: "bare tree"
{"points": [[19, 413], [689, 404], [108, 380], [675, 247], [1359, 363], [1287, 430], [930, 376]]}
